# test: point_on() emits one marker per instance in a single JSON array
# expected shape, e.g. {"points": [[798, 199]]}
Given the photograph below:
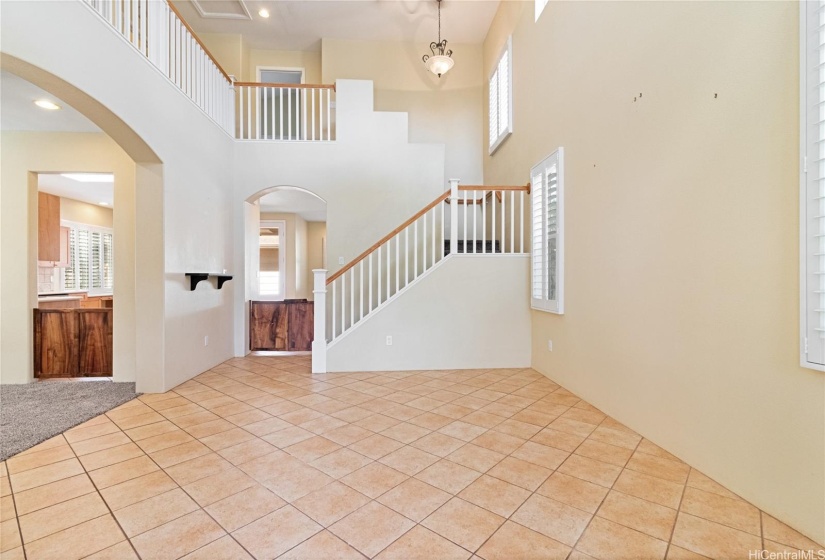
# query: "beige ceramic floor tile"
{"points": [[45, 475], [498, 442], [641, 515], [154, 512], [777, 531], [78, 541], [218, 486], [244, 507], [376, 446], [409, 460], [513, 541], [422, 544], [448, 476], [371, 528], [53, 493], [111, 456], [225, 548], [606, 540], [554, 519], [331, 503], [414, 499], [47, 521], [591, 470], [321, 546], [732, 512], [374, 479], [650, 488], [521, 473], [120, 551], [9, 535], [179, 537], [28, 461], [658, 467], [573, 491], [137, 489], [477, 458], [276, 533], [542, 455], [495, 495], [340, 463], [712, 539], [463, 523]]}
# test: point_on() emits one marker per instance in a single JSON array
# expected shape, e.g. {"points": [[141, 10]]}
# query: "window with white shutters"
{"points": [[91, 259], [501, 96], [547, 263], [812, 196]]}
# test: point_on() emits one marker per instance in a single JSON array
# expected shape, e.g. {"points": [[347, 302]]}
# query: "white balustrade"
{"points": [[457, 222], [285, 112], [156, 30]]}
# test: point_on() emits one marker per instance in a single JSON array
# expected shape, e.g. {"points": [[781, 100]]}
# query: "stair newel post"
{"points": [[453, 216], [319, 342]]}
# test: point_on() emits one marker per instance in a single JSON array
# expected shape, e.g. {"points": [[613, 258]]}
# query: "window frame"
{"points": [[507, 50], [282, 234], [540, 5], [102, 290], [555, 306], [807, 304]]}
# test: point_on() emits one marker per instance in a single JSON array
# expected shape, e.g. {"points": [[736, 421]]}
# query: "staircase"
{"points": [[467, 220]]}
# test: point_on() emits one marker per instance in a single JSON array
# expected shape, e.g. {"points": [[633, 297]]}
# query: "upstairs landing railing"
{"points": [[467, 219], [157, 30]]}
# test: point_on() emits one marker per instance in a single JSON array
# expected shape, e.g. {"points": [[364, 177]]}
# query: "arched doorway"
{"points": [[113, 149], [284, 241]]}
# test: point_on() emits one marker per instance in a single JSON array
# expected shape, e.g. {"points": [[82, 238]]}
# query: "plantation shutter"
{"points": [[108, 262], [547, 272], [500, 94], [83, 256], [813, 139], [538, 270]]}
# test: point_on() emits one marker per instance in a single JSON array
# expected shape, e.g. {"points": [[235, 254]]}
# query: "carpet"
{"points": [[35, 412]]}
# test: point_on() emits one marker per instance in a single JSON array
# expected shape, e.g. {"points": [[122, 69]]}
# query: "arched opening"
{"points": [[284, 241], [109, 147]]}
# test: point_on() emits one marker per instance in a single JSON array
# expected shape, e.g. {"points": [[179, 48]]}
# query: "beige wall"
{"points": [[85, 213], [23, 153], [308, 60], [316, 243], [294, 245], [230, 51], [444, 110], [682, 287]]}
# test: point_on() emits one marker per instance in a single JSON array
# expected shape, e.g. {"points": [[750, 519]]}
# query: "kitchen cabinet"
{"points": [[48, 228], [281, 325], [72, 343], [65, 256]]}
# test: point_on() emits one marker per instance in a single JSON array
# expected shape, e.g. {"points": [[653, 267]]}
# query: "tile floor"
{"points": [[257, 458]]}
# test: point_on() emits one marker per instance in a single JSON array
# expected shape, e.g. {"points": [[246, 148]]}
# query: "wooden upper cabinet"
{"points": [[65, 258], [48, 228]]}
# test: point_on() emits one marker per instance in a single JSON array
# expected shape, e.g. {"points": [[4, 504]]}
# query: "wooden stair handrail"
{"points": [[525, 188], [195, 36], [390, 235], [286, 86]]}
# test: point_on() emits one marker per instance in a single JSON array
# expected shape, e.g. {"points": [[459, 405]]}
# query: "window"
{"points": [[540, 4], [547, 194], [271, 263], [812, 184], [501, 96], [91, 259], [280, 109]]}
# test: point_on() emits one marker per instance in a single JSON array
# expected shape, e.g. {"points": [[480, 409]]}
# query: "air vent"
{"points": [[222, 9]]}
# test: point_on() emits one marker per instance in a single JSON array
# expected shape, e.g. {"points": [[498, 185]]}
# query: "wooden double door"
{"points": [[281, 325]]}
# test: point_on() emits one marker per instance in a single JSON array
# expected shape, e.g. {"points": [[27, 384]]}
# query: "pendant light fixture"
{"points": [[439, 62]]}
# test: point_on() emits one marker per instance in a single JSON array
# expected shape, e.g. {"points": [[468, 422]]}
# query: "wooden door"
{"points": [[268, 323], [301, 326], [95, 342], [55, 343], [48, 227]]}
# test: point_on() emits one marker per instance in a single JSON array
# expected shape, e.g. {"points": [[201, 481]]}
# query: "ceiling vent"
{"points": [[222, 9]]}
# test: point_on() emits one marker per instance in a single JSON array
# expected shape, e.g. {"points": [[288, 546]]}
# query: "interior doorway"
{"points": [[285, 241]]}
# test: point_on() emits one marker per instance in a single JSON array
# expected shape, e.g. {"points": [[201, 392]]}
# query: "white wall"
{"points": [[372, 178], [180, 205], [467, 312]]}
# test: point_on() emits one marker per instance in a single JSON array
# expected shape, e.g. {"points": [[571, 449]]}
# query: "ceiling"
{"points": [[295, 201], [18, 111], [93, 193], [301, 24]]}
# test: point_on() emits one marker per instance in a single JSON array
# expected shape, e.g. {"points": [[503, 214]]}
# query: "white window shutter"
{"points": [[501, 98], [813, 183], [547, 234]]}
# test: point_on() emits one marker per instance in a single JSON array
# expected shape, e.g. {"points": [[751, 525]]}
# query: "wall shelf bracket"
{"points": [[195, 277]]}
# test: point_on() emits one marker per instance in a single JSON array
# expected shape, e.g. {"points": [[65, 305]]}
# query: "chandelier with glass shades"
{"points": [[439, 62]]}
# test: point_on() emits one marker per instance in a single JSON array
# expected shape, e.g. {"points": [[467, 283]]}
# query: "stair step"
{"points": [[473, 246]]}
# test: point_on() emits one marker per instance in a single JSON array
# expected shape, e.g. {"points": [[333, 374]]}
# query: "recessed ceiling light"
{"points": [[263, 12], [90, 177], [46, 104], [103, 203]]}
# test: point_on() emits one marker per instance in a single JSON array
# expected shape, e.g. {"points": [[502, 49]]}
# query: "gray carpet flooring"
{"points": [[32, 413]]}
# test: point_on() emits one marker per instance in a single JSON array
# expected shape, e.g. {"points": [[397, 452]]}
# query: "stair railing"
{"points": [[303, 112], [467, 219]]}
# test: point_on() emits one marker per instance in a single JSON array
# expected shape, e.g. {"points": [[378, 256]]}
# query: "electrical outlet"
{"points": [[206, 340], [340, 260], [550, 345], [389, 341]]}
